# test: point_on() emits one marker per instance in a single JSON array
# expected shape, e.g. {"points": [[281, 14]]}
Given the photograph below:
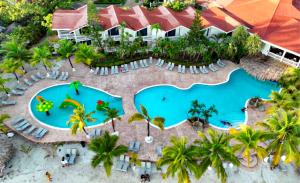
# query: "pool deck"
{"points": [[125, 85]]}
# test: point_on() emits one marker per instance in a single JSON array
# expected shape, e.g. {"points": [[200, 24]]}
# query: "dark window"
{"points": [[170, 33], [113, 31], [229, 34], [142, 32], [277, 51], [292, 57]]}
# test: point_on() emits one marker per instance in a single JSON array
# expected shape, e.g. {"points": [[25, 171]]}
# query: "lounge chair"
{"points": [[191, 70], [196, 70], [132, 66], [145, 63], [112, 70], [150, 60], [158, 150], [40, 75], [73, 156], [8, 102], [183, 69], [15, 92], [158, 62], [38, 131], [61, 76], [20, 87], [116, 70], [120, 163], [214, 66], [16, 120], [211, 68], [148, 168], [29, 130], [172, 66], [131, 146], [220, 63], [168, 66], [27, 82], [142, 63], [42, 134], [66, 76], [136, 65], [18, 125], [102, 71], [26, 125], [92, 133], [205, 69], [179, 69], [106, 71], [136, 147], [126, 164], [161, 63], [98, 132], [143, 168], [96, 71], [126, 67], [34, 78]]}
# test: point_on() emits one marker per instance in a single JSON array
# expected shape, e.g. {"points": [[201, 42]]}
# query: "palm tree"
{"points": [[155, 27], [283, 99], [247, 141], [3, 128], [87, 54], [76, 85], [111, 114], [2, 84], [41, 54], [213, 150], [291, 79], [181, 160], [282, 129], [11, 66], [208, 112], [66, 50], [15, 51], [253, 44], [78, 119], [143, 116], [196, 109], [105, 149]]}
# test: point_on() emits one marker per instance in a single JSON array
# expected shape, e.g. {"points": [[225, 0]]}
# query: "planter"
{"points": [[149, 139], [116, 133]]}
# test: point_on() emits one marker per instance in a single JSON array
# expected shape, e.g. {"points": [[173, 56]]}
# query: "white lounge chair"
{"points": [[150, 60], [40, 75], [183, 69], [126, 164], [142, 63], [172, 67], [158, 62], [161, 63], [136, 65], [205, 69], [131, 146], [15, 92], [61, 76], [27, 82], [42, 134], [21, 128], [191, 70], [168, 66], [29, 130], [8, 102], [145, 63], [214, 66], [116, 70], [73, 156], [16, 120], [18, 125], [102, 71], [137, 145], [34, 78], [196, 70], [126, 67], [20, 87], [66, 76], [211, 68], [132, 66], [220, 63], [106, 71], [96, 71], [179, 68]]}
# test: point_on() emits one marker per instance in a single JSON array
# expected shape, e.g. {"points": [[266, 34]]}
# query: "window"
{"points": [[113, 32], [142, 32], [171, 33]]}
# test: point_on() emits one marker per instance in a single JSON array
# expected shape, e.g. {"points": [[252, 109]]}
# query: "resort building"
{"points": [[277, 22]]}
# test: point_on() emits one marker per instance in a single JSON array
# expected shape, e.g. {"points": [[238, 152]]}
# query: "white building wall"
{"points": [[213, 31]]}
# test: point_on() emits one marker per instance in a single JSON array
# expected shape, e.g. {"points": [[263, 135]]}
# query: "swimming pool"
{"points": [[88, 97], [229, 97]]}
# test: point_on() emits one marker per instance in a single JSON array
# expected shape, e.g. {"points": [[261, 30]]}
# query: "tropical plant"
{"points": [[284, 100], [65, 50], [143, 116], [105, 149], [16, 51], [3, 128], [44, 106], [134, 159], [180, 159], [2, 84], [206, 113], [111, 115], [196, 109], [253, 44], [247, 141], [212, 150], [42, 54], [11, 66], [282, 131], [291, 79], [196, 34], [78, 119], [76, 85], [156, 27], [87, 54]]}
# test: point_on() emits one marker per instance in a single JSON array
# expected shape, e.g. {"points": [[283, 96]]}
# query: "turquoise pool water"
{"points": [[228, 98], [88, 97]]}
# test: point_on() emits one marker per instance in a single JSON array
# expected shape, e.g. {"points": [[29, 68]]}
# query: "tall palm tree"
{"points": [[11, 66], [283, 99], [143, 116], [105, 149], [180, 159], [78, 120], [42, 54], [66, 50], [87, 54], [213, 149], [2, 84], [207, 113], [196, 109], [3, 117], [111, 115], [15, 51], [247, 141], [156, 27], [282, 129]]}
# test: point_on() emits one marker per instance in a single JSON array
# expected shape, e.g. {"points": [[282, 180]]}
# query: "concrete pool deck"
{"points": [[125, 85]]}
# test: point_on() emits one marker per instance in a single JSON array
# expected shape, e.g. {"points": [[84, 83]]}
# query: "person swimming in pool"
{"points": [[164, 98]]}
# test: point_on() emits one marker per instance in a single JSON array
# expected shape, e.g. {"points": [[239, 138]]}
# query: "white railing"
{"points": [[273, 55], [82, 38], [290, 62], [66, 36]]}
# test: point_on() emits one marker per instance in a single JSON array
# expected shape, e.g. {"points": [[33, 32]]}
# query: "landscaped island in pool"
{"points": [[229, 98], [88, 97]]}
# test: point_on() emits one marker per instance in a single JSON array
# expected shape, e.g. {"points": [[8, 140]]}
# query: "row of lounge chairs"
{"points": [[181, 69], [24, 126], [170, 66], [123, 163], [202, 69], [160, 62], [212, 67], [146, 168], [71, 156], [95, 133], [134, 146], [55, 75]]}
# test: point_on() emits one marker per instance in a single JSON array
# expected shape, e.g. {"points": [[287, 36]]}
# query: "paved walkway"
{"points": [[125, 85]]}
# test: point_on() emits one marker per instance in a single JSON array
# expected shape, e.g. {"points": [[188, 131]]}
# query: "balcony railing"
{"points": [[285, 60], [66, 36]]}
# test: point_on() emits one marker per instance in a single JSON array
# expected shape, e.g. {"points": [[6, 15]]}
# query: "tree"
{"points": [[284, 100], [42, 54], [246, 141], [3, 128], [66, 50], [206, 113], [156, 27], [196, 34], [105, 149], [47, 21], [181, 160], [87, 55], [239, 38], [16, 51], [282, 130], [44, 106], [253, 44], [2, 84], [76, 85], [291, 79], [78, 119], [11, 66], [111, 114], [196, 109], [212, 150], [143, 116]]}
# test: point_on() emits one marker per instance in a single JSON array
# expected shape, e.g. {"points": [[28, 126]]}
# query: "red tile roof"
{"points": [[69, 19]]}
